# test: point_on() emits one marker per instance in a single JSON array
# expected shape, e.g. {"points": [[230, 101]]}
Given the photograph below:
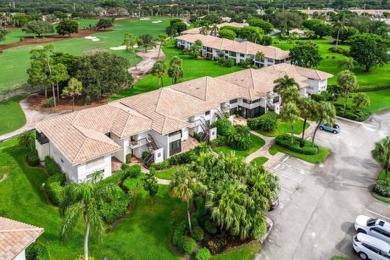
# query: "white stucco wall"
{"points": [[62, 162], [120, 155], [21, 256], [43, 150], [161, 142], [85, 169]]}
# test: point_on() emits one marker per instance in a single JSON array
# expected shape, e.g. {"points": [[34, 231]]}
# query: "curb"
{"points": [[349, 120]]}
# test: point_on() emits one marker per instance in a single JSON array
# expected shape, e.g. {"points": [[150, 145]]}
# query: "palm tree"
{"points": [[260, 56], [290, 113], [204, 30], [175, 72], [59, 73], [175, 60], [381, 153], [307, 106], [348, 81], [283, 83], [290, 94], [196, 48], [162, 37], [361, 99], [181, 186], [339, 25], [325, 112], [214, 30], [83, 200], [347, 63], [158, 70]]}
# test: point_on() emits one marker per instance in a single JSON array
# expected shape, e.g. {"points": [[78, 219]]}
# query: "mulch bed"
{"points": [[28, 40]]}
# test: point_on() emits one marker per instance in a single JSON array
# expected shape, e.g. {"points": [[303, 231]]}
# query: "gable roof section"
{"points": [[15, 236], [245, 47], [305, 72]]}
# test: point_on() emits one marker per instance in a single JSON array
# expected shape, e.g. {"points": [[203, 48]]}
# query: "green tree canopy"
{"points": [[104, 23], [286, 21], [347, 81], [146, 40], [369, 50], [381, 153], [305, 55], [67, 27], [158, 70], [38, 28], [265, 26], [3, 33]]}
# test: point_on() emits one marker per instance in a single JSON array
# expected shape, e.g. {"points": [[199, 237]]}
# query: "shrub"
{"points": [[224, 126], [187, 244], [180, 230], [181, 158], [259, 229], [144, 155], [219, 141], [37, 251], [240, 138], [131, 183], [198, 136], [203, 254], [128, 158], [200, 208], [49, 102], [114, 209], [285, 141], [161, 166], [197, 233], [381, 188], [55, 192], [217, 245], [339, 50], [32, 158], [226, 62], [51, 166], [130, 171], [210, 227], [266, 122]]}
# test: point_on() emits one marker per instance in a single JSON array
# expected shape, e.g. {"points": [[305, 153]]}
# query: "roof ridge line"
{"points": [[21, 229]]}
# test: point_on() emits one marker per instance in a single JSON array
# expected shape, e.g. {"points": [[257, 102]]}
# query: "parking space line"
{"points": [[284, 176], [303, 172], [373, 212], [286, 190]]}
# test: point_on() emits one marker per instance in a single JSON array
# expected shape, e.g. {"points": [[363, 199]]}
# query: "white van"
{"points": [[369, 247]]}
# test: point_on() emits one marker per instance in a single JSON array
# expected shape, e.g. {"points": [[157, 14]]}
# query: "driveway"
{"points": [[319, 203]]}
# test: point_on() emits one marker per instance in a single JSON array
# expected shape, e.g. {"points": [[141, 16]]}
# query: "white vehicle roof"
{"points": [[362, 221], [382, 245]]}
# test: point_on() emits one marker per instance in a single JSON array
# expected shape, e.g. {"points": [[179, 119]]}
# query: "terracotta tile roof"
{"points": [[16, 236], [197, 29], [256, 83], [245, 47], [306, 72]]}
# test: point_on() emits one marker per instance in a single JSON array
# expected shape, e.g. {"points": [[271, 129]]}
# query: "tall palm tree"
{"points": [[161, 38], [175, 72], [158, 70], [325, 112], [381, 153], [260, 56], [283, 83], [290, 113], [339, 25], [214, 30], [348, 81], [361, 99], [307, 106], [204, 30], [83, 200], [290, 94], [130, 42], [181, 186]]}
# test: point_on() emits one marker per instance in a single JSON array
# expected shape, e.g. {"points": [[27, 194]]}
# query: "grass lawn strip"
{"points": [[285, 128], [166, 174], [257, 143], [144, 234], [317, 158], [11, 114], [259, 160], [244, 252]]}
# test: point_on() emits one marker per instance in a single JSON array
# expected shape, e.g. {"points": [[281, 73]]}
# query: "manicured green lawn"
{"points": [[11, 115], [257, 143], [284, 128], [318, 158], [246, 252], [379, 76], [166, 174], [193, 68], [259, 161], [144, 234], [15, 61]]}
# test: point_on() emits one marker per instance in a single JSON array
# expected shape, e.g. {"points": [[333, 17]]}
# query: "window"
{"points": [[207, 113], [175, 147], [371, 248], [175, 133], [158, 155], [233, 101], [242, 55]]}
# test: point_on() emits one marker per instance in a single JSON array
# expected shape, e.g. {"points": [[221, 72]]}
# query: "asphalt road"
{"points": [[319, 203]]}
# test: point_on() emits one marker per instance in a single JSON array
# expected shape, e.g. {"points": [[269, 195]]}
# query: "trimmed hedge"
{"points": [[197, 233], [181, 158], [203, 254], [32, 159], [381, 188], [285, 142], [179, 231], [37, 251], [161, 166], [51, 166], [116, 208], [370, 89], [266, 122], [360, 115], [210, 227], [55, 192]]}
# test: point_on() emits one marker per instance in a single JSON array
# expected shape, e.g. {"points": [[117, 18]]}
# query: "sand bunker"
{"points": [[119, 48], [145, 18], [159, 21], [92, 38]]}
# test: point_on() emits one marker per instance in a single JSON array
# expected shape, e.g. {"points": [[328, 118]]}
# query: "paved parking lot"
{"points": [[319, 203]]}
